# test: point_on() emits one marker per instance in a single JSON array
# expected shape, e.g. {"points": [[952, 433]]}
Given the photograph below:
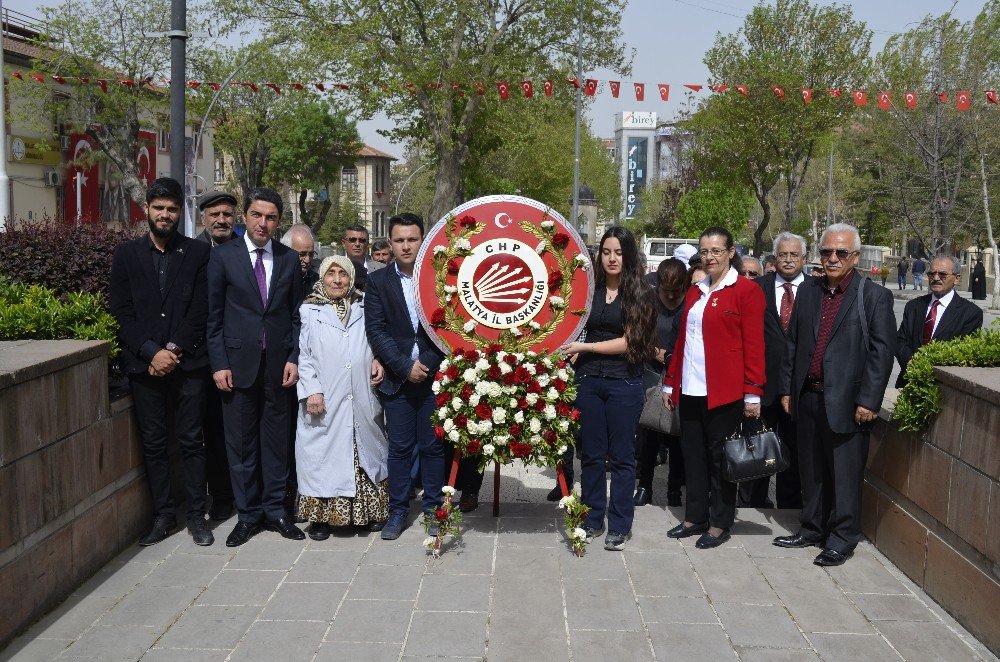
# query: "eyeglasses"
{"points": [[306, 253], [940, 274], [714, 252], [356, 240], [788, 256], [752, 274], [842, 253]]}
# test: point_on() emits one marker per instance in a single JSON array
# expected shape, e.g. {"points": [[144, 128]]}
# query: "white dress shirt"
{"points": [[268, 258], [779, 288], [411, 305], [944, 301]]}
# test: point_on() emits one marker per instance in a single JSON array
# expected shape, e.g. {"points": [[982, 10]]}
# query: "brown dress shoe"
{"points": [[469, 502]]}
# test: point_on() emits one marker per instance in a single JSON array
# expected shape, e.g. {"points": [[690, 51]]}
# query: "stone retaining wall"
{"points": [[72, 489], [932, 500]]}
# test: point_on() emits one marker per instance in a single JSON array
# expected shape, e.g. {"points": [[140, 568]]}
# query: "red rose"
{"points": [[510, 359], [562, 409], [563, 364], [466, 392], [453, 266], [442, 399], [522, 403], [555, 279], [494, 372], [549, 436], [534, 387], [559, 384], [515, 431], [441, 514], [437, 317], [483, 411], [539, 404], [472, 356], [467, 222], [458, 353], [519, 449], [523, 376], [452, 372], [438, 375], [493, 348], [461, 420], [439, 432], [540, 369], [575, 414], [560, 239], [473, 447], [509, 379]]}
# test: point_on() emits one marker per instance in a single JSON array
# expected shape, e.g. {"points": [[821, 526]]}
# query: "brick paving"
{"points": [[509, 589]]}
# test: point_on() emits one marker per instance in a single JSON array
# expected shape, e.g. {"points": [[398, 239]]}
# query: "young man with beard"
{"points": [[159, 297]]}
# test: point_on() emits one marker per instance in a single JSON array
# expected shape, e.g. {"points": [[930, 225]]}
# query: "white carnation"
{"points": [[463, 245], [450, 289], [562, 449], [470, 375], [495, 390], [518, 356], [482, 364], [547, 224], [444, 364], [505, 368], [535, 425], [579, 533], [535, 440], [530, 367], [583, 260], [442, 412], [448, 490], [567, 501], [513, 403], [453, 435], [540, 248], [499, 415], [429, 542], [562, 374], [436, 387], [489, 449], [514, 331], [563, 427], [509, 390], [474, 400], [456, 403], [543, 380], [440, 249], [519, 416], [552, 394], [449, 425], [501, 439], [531, 398], [549, 412], [482, 388], [469, 326], [557, 302], [534, 325], [547, 362]]}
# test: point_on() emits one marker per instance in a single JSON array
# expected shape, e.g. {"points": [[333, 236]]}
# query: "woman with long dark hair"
{"points": [[621, 334], [716, 376]]}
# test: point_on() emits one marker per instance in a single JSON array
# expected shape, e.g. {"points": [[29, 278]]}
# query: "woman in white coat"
{"points": [[341, 449]]}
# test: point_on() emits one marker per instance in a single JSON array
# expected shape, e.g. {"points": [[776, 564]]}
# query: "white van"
{"points": [[658, 249]]}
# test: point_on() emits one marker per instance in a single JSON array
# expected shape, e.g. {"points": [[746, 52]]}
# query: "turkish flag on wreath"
{"points": [[82, 174]]}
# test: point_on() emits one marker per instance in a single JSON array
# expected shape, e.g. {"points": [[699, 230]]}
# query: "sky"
{"points": [[670, 38]]}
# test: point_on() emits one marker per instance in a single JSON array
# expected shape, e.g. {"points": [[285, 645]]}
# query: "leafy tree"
{"points": [[714, 203]]}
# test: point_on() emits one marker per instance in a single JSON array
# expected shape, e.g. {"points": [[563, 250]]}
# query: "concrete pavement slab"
{"points": [[209, 627]]}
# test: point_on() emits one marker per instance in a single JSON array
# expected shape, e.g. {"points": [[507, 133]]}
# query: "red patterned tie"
{"points": [[929, 322], [786, 306]]}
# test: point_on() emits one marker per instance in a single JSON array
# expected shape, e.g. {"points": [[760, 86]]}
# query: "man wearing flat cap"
{"points": [[218, 214]]}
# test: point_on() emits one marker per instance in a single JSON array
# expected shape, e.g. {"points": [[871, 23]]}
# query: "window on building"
{"points": [[349, 179], [163, 134], [220, 169]]}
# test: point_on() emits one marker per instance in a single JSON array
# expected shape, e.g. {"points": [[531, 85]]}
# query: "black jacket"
{"points": [[960, 318], [148, 321], [852, 373], [775, 341], [237, 317]]}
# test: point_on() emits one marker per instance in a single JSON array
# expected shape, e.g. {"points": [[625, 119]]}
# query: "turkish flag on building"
{"points": [[991, 97], [82, 174], [807, 95], [860, 98], [528, 88], [778, 91], [145, 161], [884, 101], [664, 91], [911, 100], [548, 88], [615, 86], [590, 88], [742, 89], [504, 90], [640, 91], [963, 101]]}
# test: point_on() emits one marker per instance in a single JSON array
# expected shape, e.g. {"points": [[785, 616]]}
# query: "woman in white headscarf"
{"points": [[341, 449]]}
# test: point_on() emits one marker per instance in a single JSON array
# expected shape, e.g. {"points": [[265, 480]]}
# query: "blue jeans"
{"points": [[408, 423], [918, 281], [901, 281], [609, 417]]}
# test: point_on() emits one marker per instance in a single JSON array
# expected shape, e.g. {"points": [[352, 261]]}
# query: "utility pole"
{"points": [[575, 221], [178, 76], [4, 180]]}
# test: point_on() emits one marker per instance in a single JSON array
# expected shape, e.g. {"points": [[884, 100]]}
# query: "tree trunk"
{"points": [[765, 219], [995, 303], [448, 183], [303, 212], [322, 215]]}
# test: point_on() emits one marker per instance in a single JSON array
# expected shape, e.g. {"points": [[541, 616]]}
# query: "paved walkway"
{"points": [[510, 589]]}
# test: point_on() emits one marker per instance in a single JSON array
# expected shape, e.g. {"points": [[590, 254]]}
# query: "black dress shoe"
{"points": [[163, 526], [200, 533], [242, 532], [680, 532], [468, 502], [285, 527], [642, 496], [319, 530], [831, 557], [220, 510], [708, 541], [794, 541]]}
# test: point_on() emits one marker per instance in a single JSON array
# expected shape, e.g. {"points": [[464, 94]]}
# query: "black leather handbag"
{"points": [[748, 456]]}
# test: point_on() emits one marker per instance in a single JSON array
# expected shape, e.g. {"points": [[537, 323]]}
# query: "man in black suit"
{"points": [[780, 288], [158, 296], [411, 360], [833, 379], [253, 347], [940, 315], [218, 214]]}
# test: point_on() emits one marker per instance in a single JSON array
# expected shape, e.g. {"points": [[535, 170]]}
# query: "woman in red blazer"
{"points": [[716, 375]]}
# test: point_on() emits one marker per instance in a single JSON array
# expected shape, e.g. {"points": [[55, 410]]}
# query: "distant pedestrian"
{"points": [[883, 273], [977, 284], [902, 268], [919, 267]]}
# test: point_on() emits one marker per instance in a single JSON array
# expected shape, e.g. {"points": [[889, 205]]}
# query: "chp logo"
{"points": [[503, 270]]}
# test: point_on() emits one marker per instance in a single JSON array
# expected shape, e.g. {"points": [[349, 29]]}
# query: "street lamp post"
{"points": [[4, 180], [402, 188], [579, 108]]}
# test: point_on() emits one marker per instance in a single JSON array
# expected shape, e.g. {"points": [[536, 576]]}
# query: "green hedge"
{"points": [[919, 400], [37, 313]]}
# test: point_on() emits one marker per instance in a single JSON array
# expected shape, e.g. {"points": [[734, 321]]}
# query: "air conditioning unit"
{"points": [[52, 178], [63, 143]]}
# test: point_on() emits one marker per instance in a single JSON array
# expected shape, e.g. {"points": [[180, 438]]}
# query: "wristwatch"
{"points": [[175, 349]]}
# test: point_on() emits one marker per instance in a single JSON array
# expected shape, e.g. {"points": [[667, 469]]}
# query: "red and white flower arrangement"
{"points": [[447, 519]]}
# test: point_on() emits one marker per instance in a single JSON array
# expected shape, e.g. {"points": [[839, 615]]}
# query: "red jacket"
{"points": [[733, 328]]}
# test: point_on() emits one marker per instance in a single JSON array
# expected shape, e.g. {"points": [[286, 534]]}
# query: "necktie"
{"points": [[786, 306], [258, 271], [929, 322]]}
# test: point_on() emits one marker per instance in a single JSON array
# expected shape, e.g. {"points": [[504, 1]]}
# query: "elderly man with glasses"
{"points": [[835, 371], [939, 315], [355, 243]]}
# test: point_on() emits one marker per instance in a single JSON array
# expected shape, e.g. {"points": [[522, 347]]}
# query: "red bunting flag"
{"points": [[433, 86], [344, 86], [963, 101], [742, 89], [297, 86], [615, 86], [718, 88], [273, 86], [320, 86], [778, 92], [195, 84], [991, 97], [411, 87], [480, 88], [548, 88], [59, 79], [640, 91], [807, 96], [942, 97], [590, 88], [528, 89], [575, 82], [911, 100], [504, 90], [693, 88], [860, 98], [17, 75], [37, 77], [214, 86], [104, 85], [834, 93], [129, 83], [884, 101], [457, 88], [664, 91]]}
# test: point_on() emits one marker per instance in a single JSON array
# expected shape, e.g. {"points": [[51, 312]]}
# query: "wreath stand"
{"points": [[453, 478]]}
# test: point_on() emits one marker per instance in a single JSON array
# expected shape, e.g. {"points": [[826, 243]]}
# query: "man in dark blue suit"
{"points": [[158, 297], [253, 346], [411, 360]]}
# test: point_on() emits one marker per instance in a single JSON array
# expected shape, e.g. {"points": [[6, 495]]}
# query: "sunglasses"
{"points": [[356, 240], [940, 274], [842, 253]]}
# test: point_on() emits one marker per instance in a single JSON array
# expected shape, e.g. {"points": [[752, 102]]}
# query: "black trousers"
{"points": [[256, 422], [648, 443], [710, 497], [787, 486], [155, 398], [220, 485], [832, 468]]}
